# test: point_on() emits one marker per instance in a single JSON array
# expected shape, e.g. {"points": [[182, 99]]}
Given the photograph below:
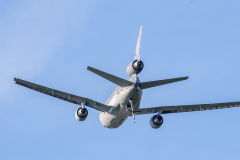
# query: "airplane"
{"points": [[125, 100]]}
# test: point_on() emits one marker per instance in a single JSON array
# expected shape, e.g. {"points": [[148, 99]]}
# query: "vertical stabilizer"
{"points": [[137, 56]]}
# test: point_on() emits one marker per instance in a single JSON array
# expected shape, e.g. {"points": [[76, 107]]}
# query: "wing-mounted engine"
{"points": [[81, 114], [135, 67], [156, 121]]}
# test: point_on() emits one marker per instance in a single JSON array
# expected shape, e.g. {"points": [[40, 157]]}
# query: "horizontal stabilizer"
{"points": [[114, 79], [146, 85]]}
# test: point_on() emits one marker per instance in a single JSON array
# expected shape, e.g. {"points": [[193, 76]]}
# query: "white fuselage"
{"points": [[120, 100]]}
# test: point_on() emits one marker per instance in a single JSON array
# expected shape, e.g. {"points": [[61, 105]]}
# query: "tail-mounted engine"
{"points": [[135, 67], [156, 121], [81, 114]]}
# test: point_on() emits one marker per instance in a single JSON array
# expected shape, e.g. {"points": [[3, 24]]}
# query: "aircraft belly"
{"points": [[120, 101], [112, 121]]}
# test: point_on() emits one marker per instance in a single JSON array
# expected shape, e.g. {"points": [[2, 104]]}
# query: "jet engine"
{"points": [[135, 67], [81, 114], [156, 121]]}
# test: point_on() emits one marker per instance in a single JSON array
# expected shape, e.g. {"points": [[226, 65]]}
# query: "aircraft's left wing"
{"points": [[63, 95], [186, 108]]}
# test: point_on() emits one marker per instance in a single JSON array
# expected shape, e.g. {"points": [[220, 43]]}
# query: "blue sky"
{"points": [[51, 43]]}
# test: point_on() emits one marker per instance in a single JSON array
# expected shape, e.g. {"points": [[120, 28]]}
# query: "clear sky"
{"points": [[51, 42]]}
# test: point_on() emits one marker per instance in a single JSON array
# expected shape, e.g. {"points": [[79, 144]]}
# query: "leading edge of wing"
{"points": [[63, 95], [187, 108]]}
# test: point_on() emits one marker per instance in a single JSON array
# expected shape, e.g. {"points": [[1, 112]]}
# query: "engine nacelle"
{"points": [[81, 114], [135, 67], [156, 121]]}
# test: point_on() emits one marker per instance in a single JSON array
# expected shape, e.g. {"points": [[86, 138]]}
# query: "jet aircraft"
{"points": [[125, 100]]}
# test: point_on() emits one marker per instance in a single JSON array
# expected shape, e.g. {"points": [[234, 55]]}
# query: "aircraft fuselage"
{"points": [[120, 100]]}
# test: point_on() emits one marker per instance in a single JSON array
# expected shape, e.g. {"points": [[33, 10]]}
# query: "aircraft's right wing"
{"points": [[63, 95], [186, 108]]}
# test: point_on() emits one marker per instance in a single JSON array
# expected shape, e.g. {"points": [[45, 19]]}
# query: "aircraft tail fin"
{"points": [[146, 85], [114, 79], [137, 56]]}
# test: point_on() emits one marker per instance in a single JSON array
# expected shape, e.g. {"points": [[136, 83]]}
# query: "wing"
{"points": [[63, 95], [186, 108]]}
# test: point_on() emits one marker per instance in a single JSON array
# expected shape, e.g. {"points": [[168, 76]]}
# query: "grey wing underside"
{"points": [[63, 95], [186, 108]]}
